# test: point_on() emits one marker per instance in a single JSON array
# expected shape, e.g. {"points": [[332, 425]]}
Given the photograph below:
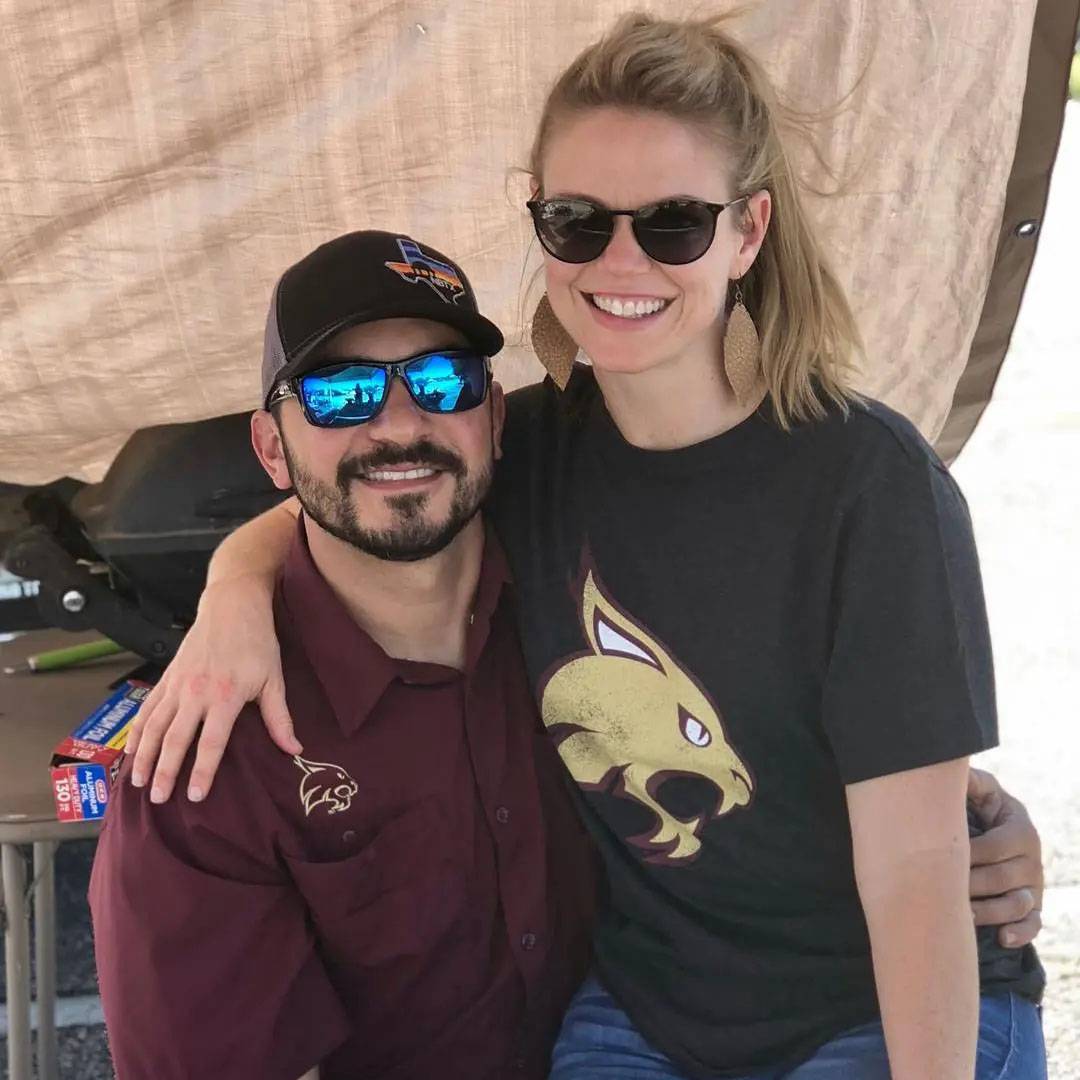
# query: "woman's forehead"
{"points": [[627, 158]]}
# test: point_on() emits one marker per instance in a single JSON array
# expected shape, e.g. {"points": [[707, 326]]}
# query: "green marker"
{"points": [[57, 659]]}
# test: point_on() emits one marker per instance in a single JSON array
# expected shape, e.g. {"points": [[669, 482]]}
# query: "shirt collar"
{"points": [[352, 668]]}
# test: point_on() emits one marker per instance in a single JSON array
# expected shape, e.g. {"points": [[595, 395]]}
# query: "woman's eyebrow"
{"points": [[677, 196], [576, 195]]}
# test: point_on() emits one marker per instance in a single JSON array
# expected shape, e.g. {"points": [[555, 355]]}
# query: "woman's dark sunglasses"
{"points": [[675, 231], [353, 391]]}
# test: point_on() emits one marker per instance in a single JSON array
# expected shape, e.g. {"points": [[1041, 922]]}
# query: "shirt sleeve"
{"points": [[206, 960], [910, 674]]}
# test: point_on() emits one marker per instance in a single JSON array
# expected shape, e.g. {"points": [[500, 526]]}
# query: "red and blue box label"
{"points": [[86, 763], [81, 792]]}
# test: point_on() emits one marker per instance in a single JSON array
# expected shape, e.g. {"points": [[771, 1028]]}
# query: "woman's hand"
{"points": [[229, 657]]}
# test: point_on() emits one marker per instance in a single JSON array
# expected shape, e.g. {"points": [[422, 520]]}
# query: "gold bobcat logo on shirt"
{"points": [[324, 784], [626, 712]]}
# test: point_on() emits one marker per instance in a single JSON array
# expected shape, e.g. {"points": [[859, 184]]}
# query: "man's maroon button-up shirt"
{"points": [[409, 898]]}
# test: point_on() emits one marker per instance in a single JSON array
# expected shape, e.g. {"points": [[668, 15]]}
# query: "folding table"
{"points": [[36, 712]]}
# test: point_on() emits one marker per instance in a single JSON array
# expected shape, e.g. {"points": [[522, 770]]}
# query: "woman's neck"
{"points": [[680, 402]]}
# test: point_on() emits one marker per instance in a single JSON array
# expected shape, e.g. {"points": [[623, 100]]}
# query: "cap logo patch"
{"points": [[416, 266], [324, 784]]}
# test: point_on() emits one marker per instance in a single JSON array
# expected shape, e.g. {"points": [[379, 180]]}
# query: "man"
{"points": [[383, 904]]}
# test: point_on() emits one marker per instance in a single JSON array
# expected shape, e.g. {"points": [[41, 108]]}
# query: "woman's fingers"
{"points": [[145, 712], [134, 733], [153, 723], [276, 716], [213, 739], [174, 748]]}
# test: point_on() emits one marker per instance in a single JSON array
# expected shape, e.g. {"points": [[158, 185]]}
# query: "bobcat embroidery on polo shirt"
{"points": [[324, 784], [626, 717]]}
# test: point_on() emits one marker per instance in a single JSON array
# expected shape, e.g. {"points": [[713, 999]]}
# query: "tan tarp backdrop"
{"points": [[161, 161]]}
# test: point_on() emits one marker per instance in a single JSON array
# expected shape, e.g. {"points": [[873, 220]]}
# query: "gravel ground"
{"points": [[1020, 474], [83, 1052]]}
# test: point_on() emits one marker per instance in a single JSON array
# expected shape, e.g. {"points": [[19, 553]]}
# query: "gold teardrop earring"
{"points": [[554, 347], [742, 350]]}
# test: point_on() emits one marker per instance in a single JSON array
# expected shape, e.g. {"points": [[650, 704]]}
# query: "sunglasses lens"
{"points": [[675, 232], [447, 382], [572, 230], [344, 395]]}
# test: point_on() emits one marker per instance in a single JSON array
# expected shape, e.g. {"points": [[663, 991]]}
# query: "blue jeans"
{"points": [[599, 1040]]}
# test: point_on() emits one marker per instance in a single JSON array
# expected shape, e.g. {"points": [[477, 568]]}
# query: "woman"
{"points": [[750, 608]]}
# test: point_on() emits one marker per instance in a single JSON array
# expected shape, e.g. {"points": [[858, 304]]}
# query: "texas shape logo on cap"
{"points": [[417, 266]]}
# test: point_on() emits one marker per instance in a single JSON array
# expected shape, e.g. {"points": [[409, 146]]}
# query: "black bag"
{"points": [[128, 556]]}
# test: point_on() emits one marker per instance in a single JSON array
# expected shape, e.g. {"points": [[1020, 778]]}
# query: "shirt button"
{"points": [[520, 1064], [348, 837], [528, 941], [502, 815]]}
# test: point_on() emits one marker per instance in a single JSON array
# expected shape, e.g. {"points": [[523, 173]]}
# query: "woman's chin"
{"points": [[624, 361]]}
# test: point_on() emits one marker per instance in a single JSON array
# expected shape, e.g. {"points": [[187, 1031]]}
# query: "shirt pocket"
{"points": [[398, 896]]}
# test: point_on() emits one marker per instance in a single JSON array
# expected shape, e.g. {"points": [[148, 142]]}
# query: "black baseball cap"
{"points": [[361, 277]]}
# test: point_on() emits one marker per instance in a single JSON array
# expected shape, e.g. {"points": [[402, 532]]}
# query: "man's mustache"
{"points": [[419, 455]]}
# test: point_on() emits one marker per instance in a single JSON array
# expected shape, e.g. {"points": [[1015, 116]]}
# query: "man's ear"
{"points": [[269, 447], [498, 418]]}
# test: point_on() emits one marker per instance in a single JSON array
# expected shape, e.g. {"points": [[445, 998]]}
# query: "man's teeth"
{"points": [[628, 309], [399, 474]]}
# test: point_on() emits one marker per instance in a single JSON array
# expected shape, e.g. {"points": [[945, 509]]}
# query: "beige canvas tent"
{"points": [[163, 160]]}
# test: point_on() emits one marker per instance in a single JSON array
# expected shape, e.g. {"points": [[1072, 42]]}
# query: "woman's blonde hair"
{"points": [[695, 72]]}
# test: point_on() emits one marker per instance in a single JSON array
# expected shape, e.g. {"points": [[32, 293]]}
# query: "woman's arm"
{"points": [[228, 657], [910, 843], [258, 547]]}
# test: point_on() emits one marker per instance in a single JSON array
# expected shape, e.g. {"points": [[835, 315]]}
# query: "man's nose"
{"points": [[400, 420]]}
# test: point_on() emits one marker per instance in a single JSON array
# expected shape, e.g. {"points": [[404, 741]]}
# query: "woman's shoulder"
{"points": [[868, 450], [869, 435], [878, 424]]}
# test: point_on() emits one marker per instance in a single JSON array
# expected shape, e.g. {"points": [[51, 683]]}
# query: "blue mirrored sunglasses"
{"points": [[353, 391]]}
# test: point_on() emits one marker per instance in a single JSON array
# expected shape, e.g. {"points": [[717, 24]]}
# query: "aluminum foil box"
{"points": [[85, 765]]}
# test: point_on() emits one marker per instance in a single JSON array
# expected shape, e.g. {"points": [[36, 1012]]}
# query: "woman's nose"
{"points": [[623, 253]]}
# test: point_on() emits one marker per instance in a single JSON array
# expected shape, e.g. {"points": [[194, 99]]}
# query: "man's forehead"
{"points": [[393, 339]]}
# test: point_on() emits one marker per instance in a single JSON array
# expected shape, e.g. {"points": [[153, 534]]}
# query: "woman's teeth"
{"points": [[629, 309], [402, 474]]}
